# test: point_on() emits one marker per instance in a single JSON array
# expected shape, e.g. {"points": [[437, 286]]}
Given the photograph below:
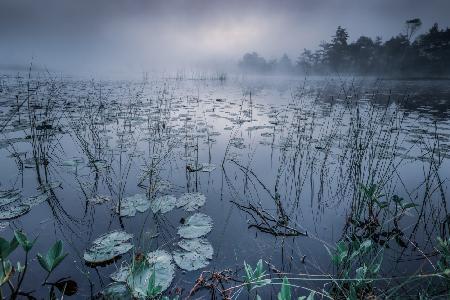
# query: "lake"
{"points": [[208, 174]]}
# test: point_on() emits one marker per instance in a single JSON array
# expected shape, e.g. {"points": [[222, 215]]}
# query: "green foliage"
{"points": [[255, 277], [23, 240], [6, 271], [359, 259], [53, 257], [6, 248], [443, 263], [285, 292], [49, 262], [153, 290]]}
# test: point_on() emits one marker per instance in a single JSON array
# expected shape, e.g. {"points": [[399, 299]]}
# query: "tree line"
{"points": [[406, 54]]}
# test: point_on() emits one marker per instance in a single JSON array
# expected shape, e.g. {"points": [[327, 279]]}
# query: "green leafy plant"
{"points": [[443, 263], [49, 262], [285, 291], [53, 257], [255, 277], [23, 240], [358, 264], [153, 290]]}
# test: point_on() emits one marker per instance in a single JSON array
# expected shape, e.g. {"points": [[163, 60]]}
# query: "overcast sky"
{"points": [[94, 36]]}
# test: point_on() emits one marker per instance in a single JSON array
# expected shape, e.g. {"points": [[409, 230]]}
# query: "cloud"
{"points": [[86, 35]]}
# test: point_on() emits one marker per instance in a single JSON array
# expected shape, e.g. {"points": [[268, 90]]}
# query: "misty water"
{"points": [[281, 163]]}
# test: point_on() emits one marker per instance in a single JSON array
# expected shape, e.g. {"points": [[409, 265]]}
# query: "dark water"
{"points": [[295, 151]]}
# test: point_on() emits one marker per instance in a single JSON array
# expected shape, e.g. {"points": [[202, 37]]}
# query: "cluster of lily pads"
{"points": [[13, 204], [152, 273]]}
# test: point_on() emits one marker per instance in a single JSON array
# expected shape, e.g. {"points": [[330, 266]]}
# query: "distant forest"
{"points": [[405, 55]]}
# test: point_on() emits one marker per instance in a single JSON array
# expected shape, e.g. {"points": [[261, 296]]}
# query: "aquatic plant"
{"points": [[49, 262]]}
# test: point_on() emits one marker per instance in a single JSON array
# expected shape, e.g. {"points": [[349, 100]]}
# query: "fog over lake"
{"points": [[224, 149]]}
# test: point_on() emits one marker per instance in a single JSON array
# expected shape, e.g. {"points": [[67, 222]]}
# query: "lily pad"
{"points": [[163, 204], [196, 226], [13, 205], [9, 196], [161, 261], [191, 201], [99, 199], [206, 167], [120, 275], [200, 246], [158, 263], [13, 210], [108, 246], [35, 200], [74, 162], [116, 291], [190, 261], [130, 205]]}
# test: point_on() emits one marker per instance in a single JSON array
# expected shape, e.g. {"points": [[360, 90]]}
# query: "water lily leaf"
{"points": [[99, 199], [35, 200], [138, 278], [13, 210], [191, 201], [190, 261], [130, 205], [108, 246], [120, 275], [116, 291], [200, 246], [73, 162], [161, 262], [163, 204], [9, 196], [196, 226], [206, 167], [197, 254]]}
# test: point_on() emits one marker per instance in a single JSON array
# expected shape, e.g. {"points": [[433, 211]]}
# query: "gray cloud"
{"points": [[134, 35]]}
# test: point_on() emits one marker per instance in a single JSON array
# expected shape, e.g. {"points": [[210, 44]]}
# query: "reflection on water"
{"points": [[286, 167]]}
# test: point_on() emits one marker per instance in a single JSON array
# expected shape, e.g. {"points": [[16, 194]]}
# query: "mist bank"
{"points": [[406, 55]]}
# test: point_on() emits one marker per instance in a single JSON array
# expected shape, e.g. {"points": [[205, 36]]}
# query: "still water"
{"points": [[277, 165]]}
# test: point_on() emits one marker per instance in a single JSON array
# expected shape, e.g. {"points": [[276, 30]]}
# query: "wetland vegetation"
{"points": [[326, 188]]}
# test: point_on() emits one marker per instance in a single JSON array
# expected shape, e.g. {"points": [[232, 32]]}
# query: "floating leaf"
{"points": [[130, 205], [197, 254], [99, 199], [116, 291], [35, 200], [196, 226], [9, 196], [163, 204], [206, 167], [13, 210], [200, 246], [161, 262], [73, 162], [138, 278], [190, 261], [108, 246], [191, 201], [120, 275]]}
